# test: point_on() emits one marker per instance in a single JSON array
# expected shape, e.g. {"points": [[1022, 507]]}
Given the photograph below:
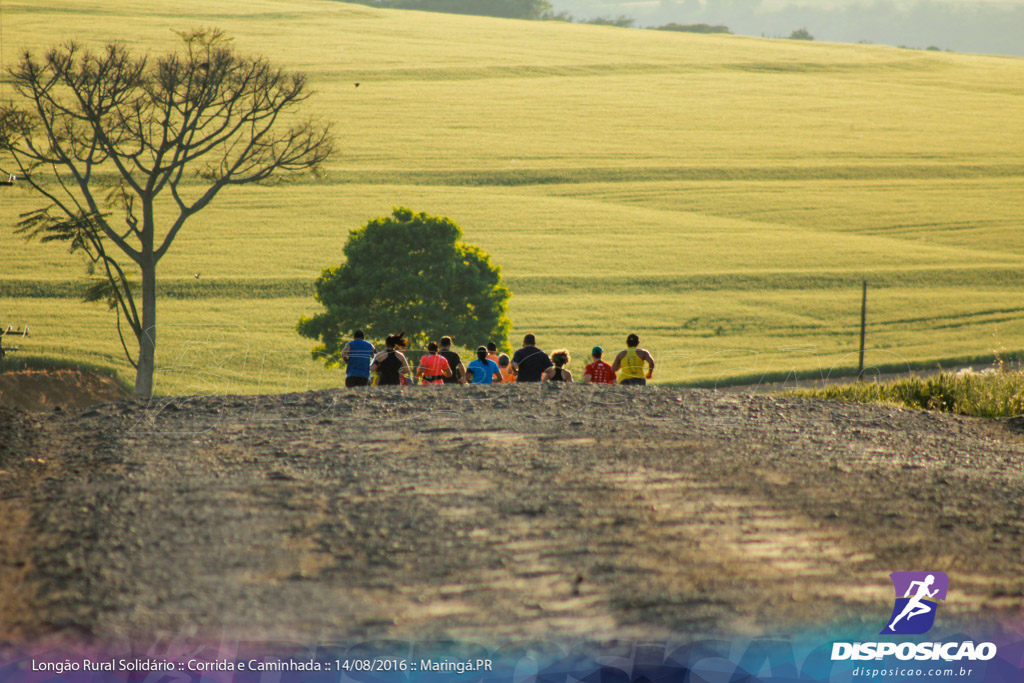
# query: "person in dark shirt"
{"points": [[559, 373], [391, 365], [529, 362], [454, 362]]}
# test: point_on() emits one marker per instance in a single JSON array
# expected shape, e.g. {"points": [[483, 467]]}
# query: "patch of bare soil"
{"points": [[502, 512], [21, 472], [47, 390]]}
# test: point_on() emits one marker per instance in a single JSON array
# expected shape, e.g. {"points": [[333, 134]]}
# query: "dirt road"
{"points": [[498, 512]]}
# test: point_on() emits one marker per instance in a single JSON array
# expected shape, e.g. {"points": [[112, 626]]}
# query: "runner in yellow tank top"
{"points": [[629, 364]]}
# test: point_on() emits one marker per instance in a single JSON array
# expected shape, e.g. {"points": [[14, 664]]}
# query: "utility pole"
{"points": [[863, 327]]}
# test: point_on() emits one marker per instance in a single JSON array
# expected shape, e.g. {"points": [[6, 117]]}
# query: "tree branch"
{"points": [[203, 111]]}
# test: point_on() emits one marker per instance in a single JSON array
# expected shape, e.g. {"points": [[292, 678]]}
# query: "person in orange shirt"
{"points": [[504, 364], [433, 368], [492, 352]]}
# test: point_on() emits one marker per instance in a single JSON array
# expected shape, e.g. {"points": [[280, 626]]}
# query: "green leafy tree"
{"points": [[622, 21], [124, 150], [409, 272]]}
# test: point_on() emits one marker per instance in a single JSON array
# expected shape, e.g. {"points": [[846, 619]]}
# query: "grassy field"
{"points": [[993, 392], [722, 196]]}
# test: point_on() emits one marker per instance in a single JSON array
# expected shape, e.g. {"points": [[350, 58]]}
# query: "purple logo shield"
{"points": [[917, 596]]}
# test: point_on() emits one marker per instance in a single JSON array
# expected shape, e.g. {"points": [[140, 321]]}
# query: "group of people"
{"points": [[441, 365]]}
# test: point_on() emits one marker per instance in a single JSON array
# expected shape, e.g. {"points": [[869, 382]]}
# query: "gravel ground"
{"points": [[498, 512]]}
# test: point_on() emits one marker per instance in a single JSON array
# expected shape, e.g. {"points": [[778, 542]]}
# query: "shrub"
{"points": [[694, 28], [621, 21], [990, 393]]}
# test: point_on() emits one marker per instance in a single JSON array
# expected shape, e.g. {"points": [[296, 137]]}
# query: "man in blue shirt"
{"points": [[483, 369], [357, 355]]}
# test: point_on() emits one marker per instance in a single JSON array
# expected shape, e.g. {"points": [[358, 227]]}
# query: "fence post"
{"points": [[863, 328]]}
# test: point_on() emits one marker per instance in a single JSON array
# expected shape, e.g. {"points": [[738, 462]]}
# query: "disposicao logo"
{"points": [[917, 596]]}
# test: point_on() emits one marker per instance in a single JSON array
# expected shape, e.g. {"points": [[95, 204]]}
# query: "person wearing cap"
{"points": [[630, 363], [484, 370], [598, 372], [357, 355]]}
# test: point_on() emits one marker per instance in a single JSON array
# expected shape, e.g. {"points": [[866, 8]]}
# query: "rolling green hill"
{"points": [[722, 196]]}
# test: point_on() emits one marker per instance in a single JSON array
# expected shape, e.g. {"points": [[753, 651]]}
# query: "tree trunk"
{"points": [[147, 342]]}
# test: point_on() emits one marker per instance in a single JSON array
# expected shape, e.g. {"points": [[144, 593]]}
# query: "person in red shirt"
{"points": [[433, 368], [598, 372]]}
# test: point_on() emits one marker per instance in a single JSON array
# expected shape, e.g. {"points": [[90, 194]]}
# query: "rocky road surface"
{"points": [[499, 512]]}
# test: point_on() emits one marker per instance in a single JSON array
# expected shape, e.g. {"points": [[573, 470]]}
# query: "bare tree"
{"points": [[111, 141]]}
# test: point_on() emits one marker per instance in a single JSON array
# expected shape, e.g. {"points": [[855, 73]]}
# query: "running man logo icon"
{"points": [[917, 596]]}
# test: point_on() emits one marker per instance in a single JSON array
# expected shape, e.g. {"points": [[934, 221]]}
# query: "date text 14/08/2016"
{"points": [[447, 666]]}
